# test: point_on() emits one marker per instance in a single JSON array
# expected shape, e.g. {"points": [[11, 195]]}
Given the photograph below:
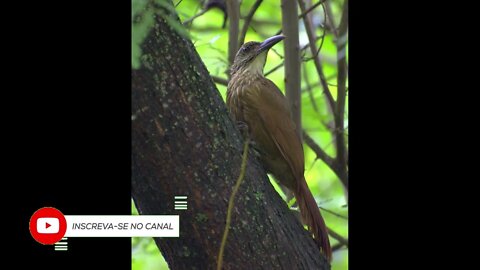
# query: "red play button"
{"points": [[48, 225]]}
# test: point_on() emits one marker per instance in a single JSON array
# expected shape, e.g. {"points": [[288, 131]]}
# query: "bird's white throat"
{"points": [[256, 66]]}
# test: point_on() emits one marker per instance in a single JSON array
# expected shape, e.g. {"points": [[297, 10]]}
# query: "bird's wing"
{"points": [[276, 121]]}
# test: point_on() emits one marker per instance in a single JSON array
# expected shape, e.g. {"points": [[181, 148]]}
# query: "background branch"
{"points": [[341, 83], [322, 38], [337, 237], [308, 10], [337, 247], [190, 20], [302, 15], [330, 21], [233, 11], [333, 213], [275, 68], [309, 90], [247, 21], [318, 65], [219, 80], [292, 60], [208, 5], [334, 165]]}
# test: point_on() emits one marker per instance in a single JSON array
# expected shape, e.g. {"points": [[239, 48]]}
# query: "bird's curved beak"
{"points": [[269, 42]]}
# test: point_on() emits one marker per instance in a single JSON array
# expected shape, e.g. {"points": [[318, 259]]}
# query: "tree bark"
{"points": [[184, 143]]}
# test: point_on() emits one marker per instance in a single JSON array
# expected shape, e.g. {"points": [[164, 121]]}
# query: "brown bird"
{"points": [[256, 102]]}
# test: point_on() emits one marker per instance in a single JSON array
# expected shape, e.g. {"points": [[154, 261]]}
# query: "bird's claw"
{"points": [[243, 127]]}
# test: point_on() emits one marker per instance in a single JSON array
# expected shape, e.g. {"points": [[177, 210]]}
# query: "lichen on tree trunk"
{"points": [[184, 143]]}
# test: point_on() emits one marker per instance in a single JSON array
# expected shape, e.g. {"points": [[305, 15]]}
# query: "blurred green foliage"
{"points": [[211, 42]]}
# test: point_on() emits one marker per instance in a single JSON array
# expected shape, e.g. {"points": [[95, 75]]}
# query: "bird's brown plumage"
{"points": [[257, 102]]}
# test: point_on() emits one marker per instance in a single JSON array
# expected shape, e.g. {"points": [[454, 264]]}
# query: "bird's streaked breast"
{"points": [[241, 83]]}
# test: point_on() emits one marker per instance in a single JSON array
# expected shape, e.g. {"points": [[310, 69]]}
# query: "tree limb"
{"points": [[330, 21], [316, 60], [233, 11], [190, 20], [219, 80], [322, 155], [333, 213], [337, 247], [292, 61], [308, 10], [220, 4], [309, 90], [341, 94], [322, 38], [319, 83], [302, 15], [337, 237], [247, 21], [275, 68]]}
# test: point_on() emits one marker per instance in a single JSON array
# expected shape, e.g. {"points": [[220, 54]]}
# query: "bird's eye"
{"points": [[246, 48]]}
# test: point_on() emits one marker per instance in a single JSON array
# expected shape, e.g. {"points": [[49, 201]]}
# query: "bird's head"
{"points": [[253, 55]]}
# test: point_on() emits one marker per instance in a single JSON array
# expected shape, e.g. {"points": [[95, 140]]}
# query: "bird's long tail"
{"points": [[312, 218]]}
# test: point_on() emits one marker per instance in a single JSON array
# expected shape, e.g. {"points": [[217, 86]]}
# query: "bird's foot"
{"points": [[243, 127]]}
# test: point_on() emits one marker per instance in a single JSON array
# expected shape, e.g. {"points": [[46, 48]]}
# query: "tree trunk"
{"points": [[184, 143]]}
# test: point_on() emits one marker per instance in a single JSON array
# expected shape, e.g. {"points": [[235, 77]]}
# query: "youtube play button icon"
{"points": [[48, 225]]}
